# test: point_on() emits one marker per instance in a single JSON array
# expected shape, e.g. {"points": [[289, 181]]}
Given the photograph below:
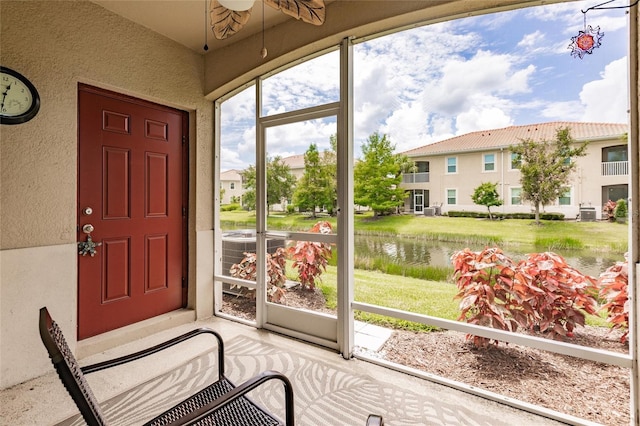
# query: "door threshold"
{"points": [[111, 339]]}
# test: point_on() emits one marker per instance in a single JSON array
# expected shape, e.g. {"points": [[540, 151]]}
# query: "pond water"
{"points": [[438, 253]]}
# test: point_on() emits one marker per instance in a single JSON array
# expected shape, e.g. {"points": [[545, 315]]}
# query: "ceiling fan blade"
{"points": [[310, 11], [226, 22]]}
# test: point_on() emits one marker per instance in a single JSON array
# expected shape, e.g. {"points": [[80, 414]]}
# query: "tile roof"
{"points": [[232, 174], [496, 138], [294, 161]]}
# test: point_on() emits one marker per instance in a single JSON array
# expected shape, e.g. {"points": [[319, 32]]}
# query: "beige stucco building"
{"points": [[447, 172], [63, 44], [231, 187]]}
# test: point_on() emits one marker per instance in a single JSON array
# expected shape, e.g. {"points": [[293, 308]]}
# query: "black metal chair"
{"points": [[221, 403]]}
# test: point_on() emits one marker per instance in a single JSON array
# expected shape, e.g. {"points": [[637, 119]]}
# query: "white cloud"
{"points": [[563, 111], [486, 77], [606, 99], [295, 138], [531, 40], [480, 119]]}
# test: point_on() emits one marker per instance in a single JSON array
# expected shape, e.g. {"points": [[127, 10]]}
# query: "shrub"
{"points": [[620, 212], [484, 282], [230, 207], [555, 295], [613, 284], [544, 215], [291, 208], [310, 258], [608, 210], [542, 291], [276, 278]]}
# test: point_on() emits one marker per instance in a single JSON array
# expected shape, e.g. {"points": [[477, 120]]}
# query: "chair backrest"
{"points": [[69, 370]]}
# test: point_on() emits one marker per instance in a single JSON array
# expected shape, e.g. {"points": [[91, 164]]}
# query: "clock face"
{"points": [[19, 100]]}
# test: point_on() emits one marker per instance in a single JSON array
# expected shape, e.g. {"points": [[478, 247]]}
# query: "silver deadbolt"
{"points": [[87, 211], [88, 228]]}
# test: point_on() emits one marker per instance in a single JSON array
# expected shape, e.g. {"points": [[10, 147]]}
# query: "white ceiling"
{"points": [[184, 20]]}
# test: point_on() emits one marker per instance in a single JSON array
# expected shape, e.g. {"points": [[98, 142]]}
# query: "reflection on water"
{"points": [[438, 253]]}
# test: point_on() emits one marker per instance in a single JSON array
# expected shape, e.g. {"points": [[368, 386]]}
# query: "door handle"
{"points": [[88, 247]]}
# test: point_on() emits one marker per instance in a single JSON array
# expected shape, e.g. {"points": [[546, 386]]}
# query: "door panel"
{"points": [[304, 248], [131, 174]]}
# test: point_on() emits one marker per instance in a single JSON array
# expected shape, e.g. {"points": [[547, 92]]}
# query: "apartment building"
{"points": [[448, 171]]}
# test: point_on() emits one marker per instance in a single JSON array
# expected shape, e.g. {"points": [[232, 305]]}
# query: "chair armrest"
{"points": [[241, 390], [157, 348]]}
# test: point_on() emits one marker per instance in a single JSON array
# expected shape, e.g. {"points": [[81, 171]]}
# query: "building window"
{"points": [[232, 185], [452, 195], [489, 163], [565, 197], [452, 165], [516, 196], [615, 153], [516, 161]]}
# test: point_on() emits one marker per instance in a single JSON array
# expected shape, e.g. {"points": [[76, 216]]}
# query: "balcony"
{"points": [[615, 168], [415, 177]]}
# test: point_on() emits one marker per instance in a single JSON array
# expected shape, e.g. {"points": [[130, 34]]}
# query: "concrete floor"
{"points": [[44, 401]]}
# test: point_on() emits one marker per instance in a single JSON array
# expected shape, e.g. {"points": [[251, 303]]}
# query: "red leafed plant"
{"points": [[542, 291], [609, 209], [484, 281], [276, 278], [553, 294], [310, 258], [613, 284]]}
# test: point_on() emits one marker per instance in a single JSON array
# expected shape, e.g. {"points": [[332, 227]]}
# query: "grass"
{"points": [[434, 298], [597, 236], [427, 290]]}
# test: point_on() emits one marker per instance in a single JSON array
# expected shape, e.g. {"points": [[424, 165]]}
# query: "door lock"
{"points": [[88, 228]]}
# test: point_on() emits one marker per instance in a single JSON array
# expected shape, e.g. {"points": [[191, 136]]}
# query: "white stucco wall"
{"points": [[57, 45]]}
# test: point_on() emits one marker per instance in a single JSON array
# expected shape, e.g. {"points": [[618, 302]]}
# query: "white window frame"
{"points": [[446, 196], [511, 195], [446, 165], [484, 162]]}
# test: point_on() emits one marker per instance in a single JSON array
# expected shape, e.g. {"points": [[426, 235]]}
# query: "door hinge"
{"points": [[184, 212], [184, 139], [184, 282]]}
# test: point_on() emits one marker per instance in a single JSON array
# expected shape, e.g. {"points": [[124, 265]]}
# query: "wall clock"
{"points": [[19, 99]]}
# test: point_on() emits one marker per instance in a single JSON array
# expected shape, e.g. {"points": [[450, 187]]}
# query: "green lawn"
{"points": [[599, 236]]}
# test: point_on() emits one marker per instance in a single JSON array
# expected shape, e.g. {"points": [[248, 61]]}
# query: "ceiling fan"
{"points": [[229, 16]]}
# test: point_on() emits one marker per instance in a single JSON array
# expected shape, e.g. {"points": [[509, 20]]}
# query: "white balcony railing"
{"points": [[615, 168], [415, 177]]}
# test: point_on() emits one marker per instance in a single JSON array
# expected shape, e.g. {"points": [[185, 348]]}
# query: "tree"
{"points": [[378, 175], [316, 187], [487, 195], [280, 183], [546, 167]]}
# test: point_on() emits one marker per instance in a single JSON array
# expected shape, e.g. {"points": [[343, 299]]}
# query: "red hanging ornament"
{"points": [[588, 39]]}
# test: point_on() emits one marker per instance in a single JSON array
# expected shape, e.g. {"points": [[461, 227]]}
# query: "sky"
{"points": [[431, 83]]}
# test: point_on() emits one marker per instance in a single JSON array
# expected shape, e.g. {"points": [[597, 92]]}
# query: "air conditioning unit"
{"points": [[587, 214]]}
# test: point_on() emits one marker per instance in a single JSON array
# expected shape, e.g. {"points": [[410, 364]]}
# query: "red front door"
{"points": [[131, 191]]}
